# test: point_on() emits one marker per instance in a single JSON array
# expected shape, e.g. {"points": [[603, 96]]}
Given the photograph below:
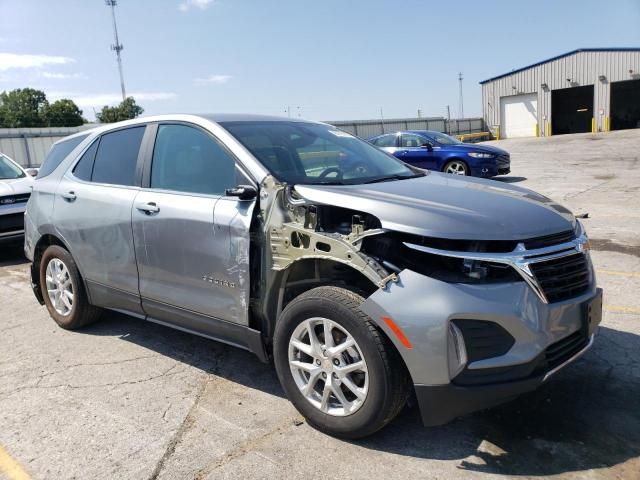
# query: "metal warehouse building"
{"points": [[586, 90]]}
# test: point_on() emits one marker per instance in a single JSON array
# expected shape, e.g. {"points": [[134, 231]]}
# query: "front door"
{"points": [[413, 151], [192, 241]]}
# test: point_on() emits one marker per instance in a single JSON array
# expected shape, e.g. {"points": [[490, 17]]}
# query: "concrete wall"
{"points": [[580, 68]]}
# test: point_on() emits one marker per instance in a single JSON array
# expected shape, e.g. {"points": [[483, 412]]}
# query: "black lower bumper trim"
{"points": [[35, 284], [439, 404]]}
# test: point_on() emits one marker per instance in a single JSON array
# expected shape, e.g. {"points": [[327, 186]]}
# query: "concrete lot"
{"points": [[128, 399]]}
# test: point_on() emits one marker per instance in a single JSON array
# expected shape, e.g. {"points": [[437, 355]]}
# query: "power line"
{"points": [[117, 47]]}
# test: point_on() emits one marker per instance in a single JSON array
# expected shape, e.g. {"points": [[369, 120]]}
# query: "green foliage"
{"points": [[22, 107], [127, 110], [63, 113], [27, 107]]}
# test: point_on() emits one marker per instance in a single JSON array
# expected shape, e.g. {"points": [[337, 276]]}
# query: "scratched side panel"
{"points": [[230, 258]]}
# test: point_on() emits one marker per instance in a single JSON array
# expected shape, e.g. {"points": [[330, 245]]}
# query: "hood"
{"points": [[475, 147], [450, 206], [16, 186]]}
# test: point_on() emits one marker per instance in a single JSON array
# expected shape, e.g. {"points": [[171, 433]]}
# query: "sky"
{"points": [[324, 59]]}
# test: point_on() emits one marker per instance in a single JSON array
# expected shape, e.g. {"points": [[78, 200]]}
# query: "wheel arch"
{"points": [[44, 242], [306, 274]]}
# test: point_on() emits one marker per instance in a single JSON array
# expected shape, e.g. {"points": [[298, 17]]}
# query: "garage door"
{"points": [[519, 114]]}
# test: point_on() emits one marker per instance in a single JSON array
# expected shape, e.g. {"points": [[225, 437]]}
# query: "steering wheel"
{"points": [[329, 171]]}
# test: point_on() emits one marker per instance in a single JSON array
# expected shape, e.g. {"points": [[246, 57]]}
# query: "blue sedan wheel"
{"points": [[456, 167]]}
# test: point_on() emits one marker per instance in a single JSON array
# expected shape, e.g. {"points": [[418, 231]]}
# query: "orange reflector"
{"points": [[399, 333]]}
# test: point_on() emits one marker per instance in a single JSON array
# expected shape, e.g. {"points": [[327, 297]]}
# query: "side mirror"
{"points": [[427, 145], [32, 172], [243, 192]]}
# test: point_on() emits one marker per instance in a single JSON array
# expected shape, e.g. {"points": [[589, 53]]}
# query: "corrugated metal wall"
{"points": [[29, 146], [370, 128], [581, 68]]}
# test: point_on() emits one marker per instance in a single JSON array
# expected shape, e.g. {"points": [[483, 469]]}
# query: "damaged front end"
{"points": [[474, 312]]}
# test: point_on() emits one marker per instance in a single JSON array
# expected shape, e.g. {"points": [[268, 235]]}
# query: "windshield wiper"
{"points": [[394, 177]]}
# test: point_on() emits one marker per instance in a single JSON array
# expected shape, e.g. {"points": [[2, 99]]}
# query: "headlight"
{"points": [[481, 155]]}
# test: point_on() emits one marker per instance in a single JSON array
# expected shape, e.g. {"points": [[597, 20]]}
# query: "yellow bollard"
{"points": [[606, 124], [497, 133], [547, 129], [593, 124], [537, 130]]}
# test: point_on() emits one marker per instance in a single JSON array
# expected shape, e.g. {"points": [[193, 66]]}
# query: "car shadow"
{"points": [[510, 179], [586, 417], [11, 254]]}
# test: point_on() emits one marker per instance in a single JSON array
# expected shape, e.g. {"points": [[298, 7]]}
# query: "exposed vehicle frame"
{"points": [[415, 279]]}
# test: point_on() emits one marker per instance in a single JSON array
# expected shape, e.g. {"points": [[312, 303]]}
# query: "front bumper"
{"points": [[439, 404], [500, 165], [423, 307], [12, 221]]}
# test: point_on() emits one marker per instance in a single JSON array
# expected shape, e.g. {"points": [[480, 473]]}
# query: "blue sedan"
{"points": [[441, 152]]}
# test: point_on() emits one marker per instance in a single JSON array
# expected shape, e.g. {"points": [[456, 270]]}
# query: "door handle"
{"points": [[69, 196], [149, 208]]}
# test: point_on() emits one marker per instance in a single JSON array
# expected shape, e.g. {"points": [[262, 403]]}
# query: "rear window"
{"points": [[58, 153], [117, 155]]}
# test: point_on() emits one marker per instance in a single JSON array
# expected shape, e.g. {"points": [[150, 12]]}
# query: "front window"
{"points": [[315, 154], [444, 139], [9, 170]]}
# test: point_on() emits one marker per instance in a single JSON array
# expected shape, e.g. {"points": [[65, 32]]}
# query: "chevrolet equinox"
{"points": [[364, 279]]}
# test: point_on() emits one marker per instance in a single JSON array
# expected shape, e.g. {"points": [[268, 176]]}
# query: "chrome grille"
{"points": [[562, 278]]}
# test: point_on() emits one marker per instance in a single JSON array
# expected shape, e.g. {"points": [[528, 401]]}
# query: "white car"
{"points": [[15, 190]]}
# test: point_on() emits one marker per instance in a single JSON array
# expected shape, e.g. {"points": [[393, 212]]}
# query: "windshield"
{"points": [[444, 139], [315, 154], [9, 170]]}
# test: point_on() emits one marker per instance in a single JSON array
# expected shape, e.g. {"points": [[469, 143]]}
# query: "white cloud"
{"points": [[9, 61], [187, 5], [62, 76], [213, 79]]}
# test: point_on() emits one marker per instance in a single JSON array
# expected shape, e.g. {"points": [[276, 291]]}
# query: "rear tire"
{"points": [[456, 167], [63, 290], [360, 402]]}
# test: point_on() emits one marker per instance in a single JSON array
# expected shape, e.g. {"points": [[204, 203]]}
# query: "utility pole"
{"points": [[382, 119], [460, 100], [419, 113], [448, 129], [117, 47]]}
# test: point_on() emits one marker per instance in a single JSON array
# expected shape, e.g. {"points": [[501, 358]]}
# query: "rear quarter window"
{"points": [[117, 155], [58, 153]]}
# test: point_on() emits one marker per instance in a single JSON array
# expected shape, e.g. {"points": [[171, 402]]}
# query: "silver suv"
{"points": [[364, 279]]}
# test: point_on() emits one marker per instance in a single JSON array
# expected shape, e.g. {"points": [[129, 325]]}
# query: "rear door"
{"points": [[92, 212], [192, 241]]}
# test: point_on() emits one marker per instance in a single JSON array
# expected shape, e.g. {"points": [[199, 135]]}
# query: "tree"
{"points": [[63, 113], [22, 107], [127, 110]]}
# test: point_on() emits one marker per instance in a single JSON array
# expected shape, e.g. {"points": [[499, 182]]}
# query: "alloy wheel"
{"points": [[456, 168], [59, 287], [328, 366]]}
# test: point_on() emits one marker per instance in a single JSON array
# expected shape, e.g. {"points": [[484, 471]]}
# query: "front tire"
{"points": [[63, 290], [339, 371], [456, 167]]}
